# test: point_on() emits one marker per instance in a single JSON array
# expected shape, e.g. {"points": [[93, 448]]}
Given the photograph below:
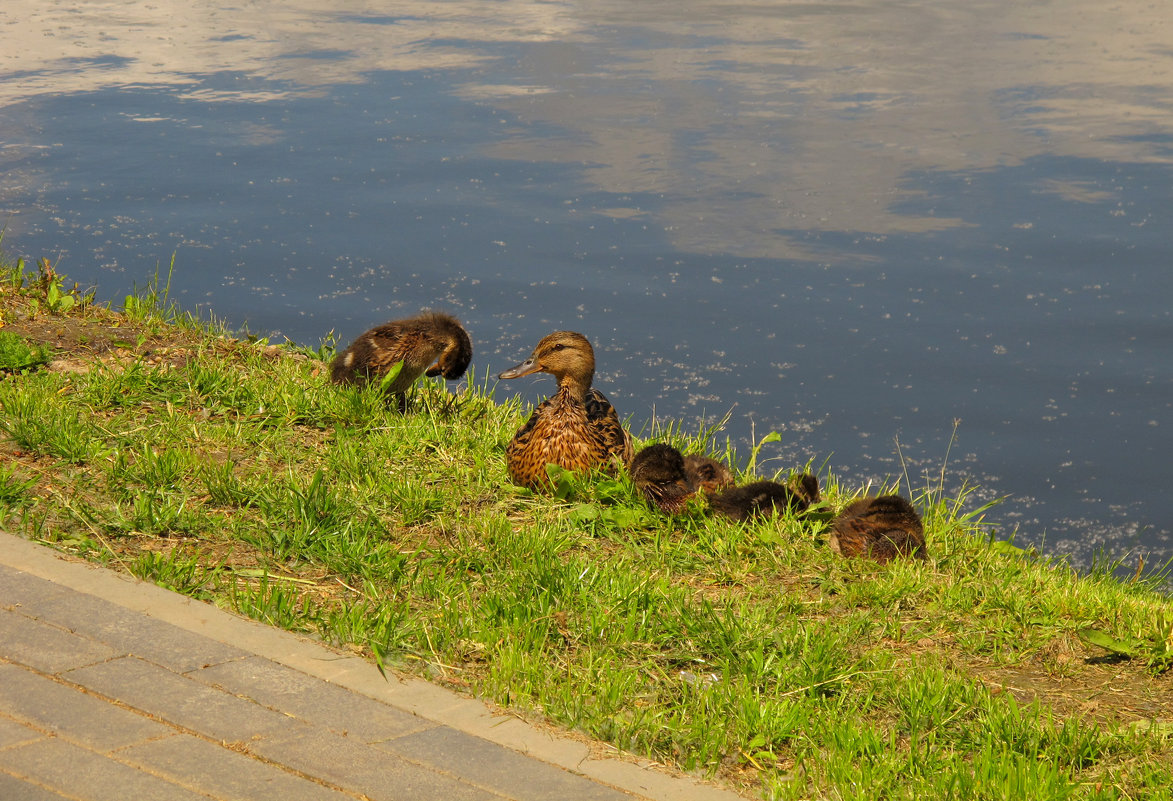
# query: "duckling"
{"points": [[431, 343], [667, 478], [882, 528], [661, 474], [764, 498], [576, 427], [706, 473]]}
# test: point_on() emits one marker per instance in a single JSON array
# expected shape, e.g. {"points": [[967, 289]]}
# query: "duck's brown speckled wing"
{"points": [[604, 421]]}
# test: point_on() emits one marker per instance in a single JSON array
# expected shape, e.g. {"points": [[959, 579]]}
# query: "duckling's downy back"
{"points": [[432, 342]]}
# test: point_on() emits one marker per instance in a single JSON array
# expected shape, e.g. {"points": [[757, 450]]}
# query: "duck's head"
{"points": [[457, 353], [807, 488], [563, 354]]}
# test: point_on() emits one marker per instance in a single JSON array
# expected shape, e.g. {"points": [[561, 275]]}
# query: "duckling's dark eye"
{"points": [[559, 346]]}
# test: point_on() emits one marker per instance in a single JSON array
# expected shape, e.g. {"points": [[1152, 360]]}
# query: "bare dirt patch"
{"points": [[95, 335]]}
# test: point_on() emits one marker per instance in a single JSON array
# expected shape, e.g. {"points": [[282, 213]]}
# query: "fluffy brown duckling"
{"points": [[764, 498], [706, 473], [880, 528], [431, 343], [576, 427], [660, 474], [667, 479]]}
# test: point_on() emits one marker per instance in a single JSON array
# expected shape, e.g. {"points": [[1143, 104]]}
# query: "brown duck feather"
{"points": [[706, 473], [765, 498]]}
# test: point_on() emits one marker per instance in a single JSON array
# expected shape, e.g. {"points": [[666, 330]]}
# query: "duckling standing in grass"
{"points": [[765, 498], [431, 343], [576, 427], [881, 528]]}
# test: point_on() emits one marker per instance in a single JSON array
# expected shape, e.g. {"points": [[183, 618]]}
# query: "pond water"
{"points": [[850, 223]]}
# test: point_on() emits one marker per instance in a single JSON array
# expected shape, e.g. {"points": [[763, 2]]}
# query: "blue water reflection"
{"points": [[853, 225]]}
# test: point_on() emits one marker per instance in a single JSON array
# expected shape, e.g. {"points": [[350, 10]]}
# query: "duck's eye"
{"points": [[559, 346]]}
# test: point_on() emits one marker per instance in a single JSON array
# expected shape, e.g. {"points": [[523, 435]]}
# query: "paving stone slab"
{"points": [[19, 589], [224, 773], [357, 767], [196, 643], [68, 712], [182, 701], [47, 648], [15, 733], [14, 789], [312, 699], [497, 768], [131, 632], [80, 774]]}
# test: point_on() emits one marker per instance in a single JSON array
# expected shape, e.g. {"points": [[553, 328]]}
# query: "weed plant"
{"points": [[233, 471]]}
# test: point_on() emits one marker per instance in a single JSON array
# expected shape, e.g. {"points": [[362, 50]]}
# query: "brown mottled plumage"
{"points": [[576, 427], [764, 498], [431, 343], [881, 528]]}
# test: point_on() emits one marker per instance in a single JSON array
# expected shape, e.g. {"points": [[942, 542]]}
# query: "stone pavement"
{"points": [[111, 688]]}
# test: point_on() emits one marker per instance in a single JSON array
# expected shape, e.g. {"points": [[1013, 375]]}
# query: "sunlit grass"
{"points": [[236, 473]]}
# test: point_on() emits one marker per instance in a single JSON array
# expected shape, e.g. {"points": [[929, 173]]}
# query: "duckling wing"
{"points": [[604, 422]]}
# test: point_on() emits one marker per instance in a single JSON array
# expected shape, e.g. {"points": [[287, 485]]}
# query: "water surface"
{"points": [[851, 223]]}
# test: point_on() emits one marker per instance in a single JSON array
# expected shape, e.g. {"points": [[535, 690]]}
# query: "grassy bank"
{"points": [[234, 472]]}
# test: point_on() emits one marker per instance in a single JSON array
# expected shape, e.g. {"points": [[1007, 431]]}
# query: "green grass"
{"points": [[237, 474], [16, 355]]}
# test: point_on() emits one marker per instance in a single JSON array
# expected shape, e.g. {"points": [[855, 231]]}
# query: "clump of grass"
{"points": [[15, 489], [152, 307], [16, 355], [178, 571], [239, 474], [36, 418], [1153, 645]]}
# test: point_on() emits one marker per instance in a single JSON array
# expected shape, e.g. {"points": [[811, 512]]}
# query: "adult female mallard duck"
{"points": [[433, 343], [881, 528], [576, 427], [764, 498], [667, 479]]}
